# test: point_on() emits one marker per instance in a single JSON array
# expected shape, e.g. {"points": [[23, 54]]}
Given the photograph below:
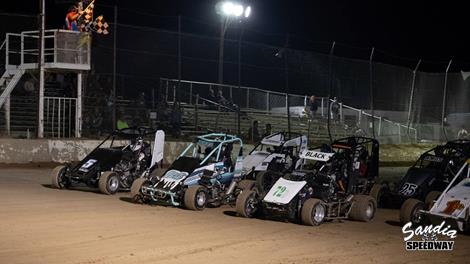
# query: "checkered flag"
{"points": [[86, 16], [100, 26]]}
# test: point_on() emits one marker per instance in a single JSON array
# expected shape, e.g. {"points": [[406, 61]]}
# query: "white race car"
{"points": [[276, 152], [452, 206]]}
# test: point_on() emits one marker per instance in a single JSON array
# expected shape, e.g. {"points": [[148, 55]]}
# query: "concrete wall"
{"points": [[18, 151], [48, 150]]}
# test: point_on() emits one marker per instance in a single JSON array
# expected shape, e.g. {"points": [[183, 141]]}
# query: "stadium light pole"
{"points": [[228, 11]]}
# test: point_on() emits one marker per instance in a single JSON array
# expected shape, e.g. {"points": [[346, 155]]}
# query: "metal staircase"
{"points": [[65, 51], [8, 82]]}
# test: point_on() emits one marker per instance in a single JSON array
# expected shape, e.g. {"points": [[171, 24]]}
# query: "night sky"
{"points": [[433, 31]]}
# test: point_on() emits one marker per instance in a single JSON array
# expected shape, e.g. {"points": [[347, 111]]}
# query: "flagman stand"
{"points": [[64, 52]]}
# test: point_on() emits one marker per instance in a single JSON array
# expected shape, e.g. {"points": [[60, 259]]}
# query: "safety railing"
{"points": [[256, 100], [62, 49], [59, 116]]}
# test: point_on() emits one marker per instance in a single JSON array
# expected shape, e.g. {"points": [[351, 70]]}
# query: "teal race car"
{"points": [[205, 173]]}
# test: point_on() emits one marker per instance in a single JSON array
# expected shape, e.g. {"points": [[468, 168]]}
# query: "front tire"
{"points": [[247, 204], [136, 196], [377, 192], [58, 177], [409, 212], [195, 198], [313, 212], [246, 185], [108, 183], [363, 208]]}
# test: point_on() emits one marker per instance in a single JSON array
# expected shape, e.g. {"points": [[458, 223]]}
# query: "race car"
{"points": [[452, 206], [427, 178], [273, 155], [329, 182], [203, 174], [112, 168]]}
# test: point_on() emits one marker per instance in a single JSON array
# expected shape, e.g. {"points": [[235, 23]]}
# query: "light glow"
{"points": [[247, 11]]}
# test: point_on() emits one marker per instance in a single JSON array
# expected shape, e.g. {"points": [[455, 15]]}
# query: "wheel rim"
{"points": [[61, 179], [318, 213], [200, 199], [250, 206], [113, 184], [416, 215], [370, 210]]}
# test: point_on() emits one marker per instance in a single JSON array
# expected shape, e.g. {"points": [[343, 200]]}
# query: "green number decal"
{"points": [[279, 191]]}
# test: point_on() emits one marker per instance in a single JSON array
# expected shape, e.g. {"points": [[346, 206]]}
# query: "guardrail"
{"points": [[268, 102]]}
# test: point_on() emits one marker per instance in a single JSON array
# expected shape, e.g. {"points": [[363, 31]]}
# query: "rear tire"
{"points": [[195, 198], [409, 212], [247, 204], [58, 177], [313, 212], [136, 196], [431, 197], [377, 191], [246, 185], [363, 208], [109, 183]]}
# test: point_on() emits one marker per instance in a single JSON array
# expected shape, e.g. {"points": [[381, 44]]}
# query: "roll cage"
{"points": [[217, 146]]}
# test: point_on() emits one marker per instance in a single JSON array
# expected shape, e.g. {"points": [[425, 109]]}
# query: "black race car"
{"points": [[359, 155], [329, 182], [427, 178], [111, 166]]}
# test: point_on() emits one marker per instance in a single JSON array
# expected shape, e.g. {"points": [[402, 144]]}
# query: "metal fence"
{"points": [[408, 101], [59, 117]]}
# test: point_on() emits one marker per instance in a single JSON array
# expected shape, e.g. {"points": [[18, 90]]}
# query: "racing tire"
{"points": [[363, 208], [246, 185], [247, 204], [109, 183], [313, 212], [265, 180], [377, 192], [135, 190], [195, 198], [57, 177], [409, 212], [431, 197]]}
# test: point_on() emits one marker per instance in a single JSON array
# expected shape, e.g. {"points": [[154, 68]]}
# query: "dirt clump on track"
{"points": [[44, 225]]}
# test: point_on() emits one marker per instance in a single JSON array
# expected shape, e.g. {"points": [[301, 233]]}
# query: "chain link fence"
{"points": [[397, 104]]}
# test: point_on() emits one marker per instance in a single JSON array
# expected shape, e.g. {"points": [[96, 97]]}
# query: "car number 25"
{"points": [[408, 189]]}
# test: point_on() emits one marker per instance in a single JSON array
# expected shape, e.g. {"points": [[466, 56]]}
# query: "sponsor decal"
{"points": [[453, 206], [173, 178], [320, 156], [429, 237], [433, 159]]}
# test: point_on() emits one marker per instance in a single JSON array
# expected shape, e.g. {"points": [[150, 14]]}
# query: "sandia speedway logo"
{"points": [[429, 237]]}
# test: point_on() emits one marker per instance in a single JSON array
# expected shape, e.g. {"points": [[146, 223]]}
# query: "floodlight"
{"points": [[247, 11]]}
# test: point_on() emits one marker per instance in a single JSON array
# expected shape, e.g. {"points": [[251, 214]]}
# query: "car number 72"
{"points": [[279, 191], [408, 189]]}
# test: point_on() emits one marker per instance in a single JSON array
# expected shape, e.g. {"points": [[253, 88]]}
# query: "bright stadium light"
{"points": [[229, 12], [227, 8], [247, 11], [233, 9], [238, 10]]}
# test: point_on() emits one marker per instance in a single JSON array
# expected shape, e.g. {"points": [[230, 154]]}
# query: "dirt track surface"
{"points": [[39, 224]]}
